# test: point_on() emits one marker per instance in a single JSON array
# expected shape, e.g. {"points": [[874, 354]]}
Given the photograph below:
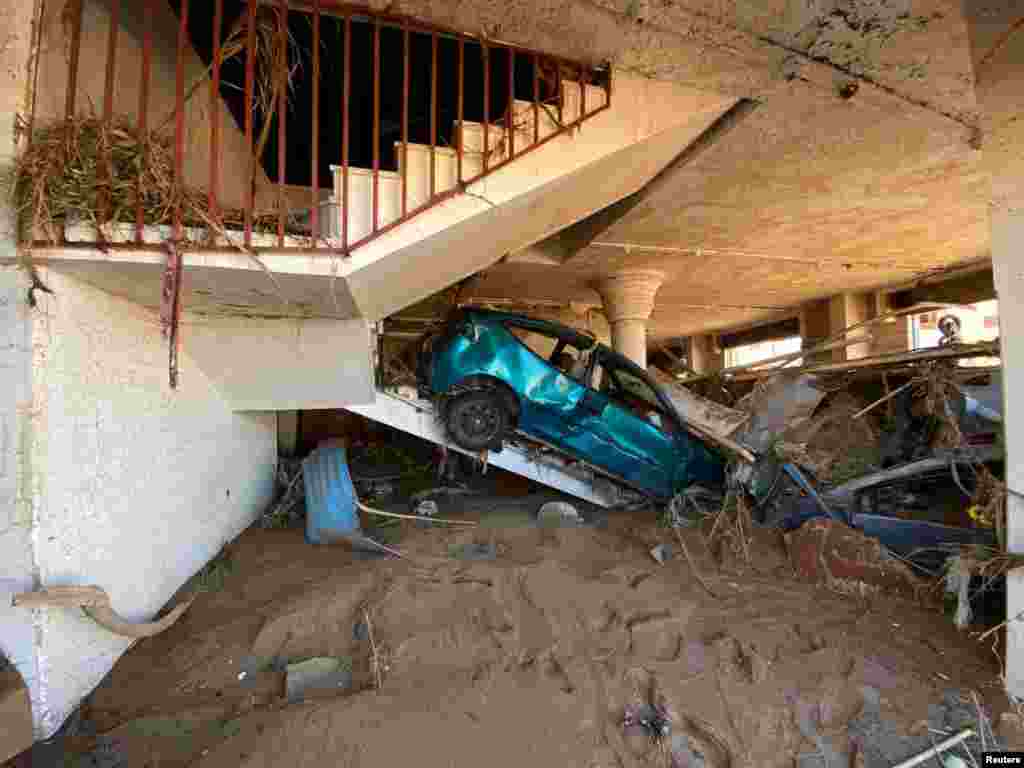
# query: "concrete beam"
{"points": [[967, 288], [768, 332]]}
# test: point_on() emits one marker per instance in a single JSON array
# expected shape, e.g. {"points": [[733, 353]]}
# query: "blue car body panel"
{"points": [[561, 411]]}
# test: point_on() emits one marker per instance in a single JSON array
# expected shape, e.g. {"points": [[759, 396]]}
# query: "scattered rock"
{"points": [[662, 553], [555, 512]]}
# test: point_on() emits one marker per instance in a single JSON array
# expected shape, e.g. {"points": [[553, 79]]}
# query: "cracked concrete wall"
{"points": [[133, 486]]}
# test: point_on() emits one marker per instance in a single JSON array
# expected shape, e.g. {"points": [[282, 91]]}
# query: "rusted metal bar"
{"points": [[583, 94], [111, 73], [214, 191], [73, 58], [559, 99], [250, 84], [376, 125], [510, 122], [37, 43], [143, 118], [461, 109], [315, 138], [536, 98], [170, 308], [487, 102], [405, 120], [282, 119], [433, 114], [179, 119], [105, 169], [346, 89]]}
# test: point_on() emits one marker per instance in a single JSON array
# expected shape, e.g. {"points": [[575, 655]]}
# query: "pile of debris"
{"points": [[883, 473]]}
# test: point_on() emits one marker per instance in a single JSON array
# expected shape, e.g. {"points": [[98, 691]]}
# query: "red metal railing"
{"points": [[446, 117]]}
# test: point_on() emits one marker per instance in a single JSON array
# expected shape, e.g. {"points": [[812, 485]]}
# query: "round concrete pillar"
{"points": [[628, 303], [629, 338]]}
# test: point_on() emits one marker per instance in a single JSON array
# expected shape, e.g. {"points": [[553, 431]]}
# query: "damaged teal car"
{"points": [[497, 374]]}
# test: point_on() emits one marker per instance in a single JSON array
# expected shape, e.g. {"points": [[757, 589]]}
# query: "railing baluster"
{"points": [[487, 102], [179, 120], [73, 59], [583, 95], [461, 107], [250, 84], [315, 138], [111, 73], [106, 168], [143, 116], [433, 115], [282, 109], [376, 124], [536, 98], [406, 53], [559, 99], [218, 20], [510, 123], [345, 98]]}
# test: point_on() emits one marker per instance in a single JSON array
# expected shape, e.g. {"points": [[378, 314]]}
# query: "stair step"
{"points": [[360, 180], [360, 202], [445, 171], [473, 132]]}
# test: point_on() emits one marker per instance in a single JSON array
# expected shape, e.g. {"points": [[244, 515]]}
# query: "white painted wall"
{"points": [[284, 364], [17, 567], [132, 486]]}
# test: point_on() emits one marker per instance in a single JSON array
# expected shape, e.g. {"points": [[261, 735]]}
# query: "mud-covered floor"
{"points": [[533, 651]]}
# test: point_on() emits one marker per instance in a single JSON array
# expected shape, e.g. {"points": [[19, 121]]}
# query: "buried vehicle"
{"points": [[497, 373], [921, 511]]}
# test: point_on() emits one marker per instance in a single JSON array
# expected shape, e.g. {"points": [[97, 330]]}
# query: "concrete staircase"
{"points": [[418, 194], [234, 299]]}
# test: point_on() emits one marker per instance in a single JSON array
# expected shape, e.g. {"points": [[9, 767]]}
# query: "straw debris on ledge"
{"points": [[86, 170]]}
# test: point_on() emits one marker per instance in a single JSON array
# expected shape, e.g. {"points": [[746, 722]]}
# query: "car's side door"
{"points": [[548, 396], [623, 428]]}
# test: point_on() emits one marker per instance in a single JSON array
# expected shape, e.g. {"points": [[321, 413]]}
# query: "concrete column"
{"points": [[814, 328], [998, 59], [628, 303], [846, 309], [705, 354], [892, 335]]}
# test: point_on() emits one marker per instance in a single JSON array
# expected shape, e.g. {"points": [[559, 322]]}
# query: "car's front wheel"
{"points": [[477, 420]]}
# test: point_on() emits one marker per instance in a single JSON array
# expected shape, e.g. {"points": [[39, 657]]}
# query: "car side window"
{"points": [[632, 393], [541, 344], [565, 357]]}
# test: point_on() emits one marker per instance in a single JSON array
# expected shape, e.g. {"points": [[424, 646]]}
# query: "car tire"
{"points": [[477, 420]]}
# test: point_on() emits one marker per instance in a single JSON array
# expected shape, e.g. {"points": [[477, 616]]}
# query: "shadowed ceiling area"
{"points": [[860, 168]]}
